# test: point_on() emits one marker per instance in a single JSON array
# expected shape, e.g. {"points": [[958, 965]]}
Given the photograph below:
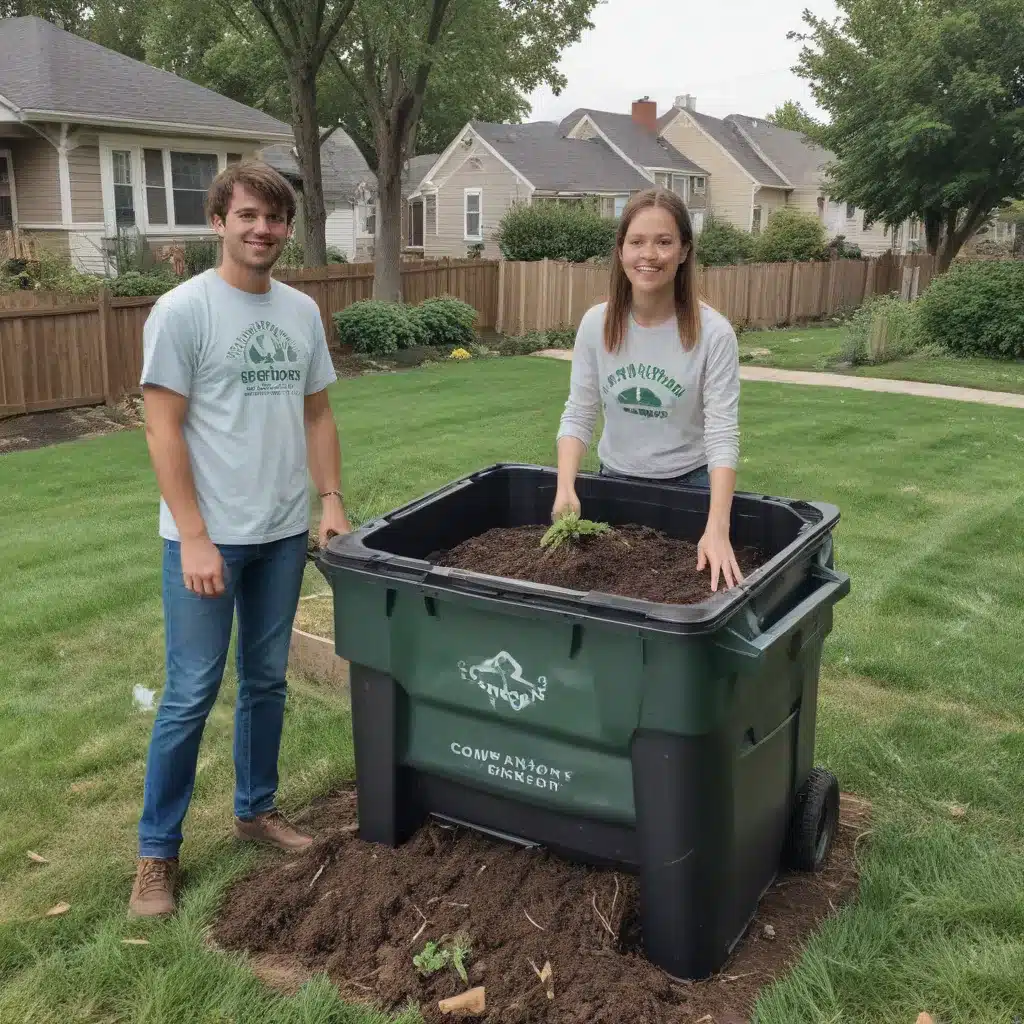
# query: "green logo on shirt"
{"points": [[270, 359], [648, 399]]}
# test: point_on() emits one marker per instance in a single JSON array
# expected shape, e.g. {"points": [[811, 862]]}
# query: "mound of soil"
{"points": [[631, 561], [361, 912]]}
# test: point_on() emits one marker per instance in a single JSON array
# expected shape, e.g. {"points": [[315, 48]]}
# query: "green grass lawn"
{"points": [[921, 705], [817, 348]]}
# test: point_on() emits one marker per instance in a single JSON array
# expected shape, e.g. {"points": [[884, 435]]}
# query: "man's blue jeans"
{"points": [[263, 581]]}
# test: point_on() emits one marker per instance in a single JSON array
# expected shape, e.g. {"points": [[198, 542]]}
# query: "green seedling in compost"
{"points": [[435, 956], [570, 528]]}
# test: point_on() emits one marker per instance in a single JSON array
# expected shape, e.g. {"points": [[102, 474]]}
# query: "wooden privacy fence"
{"points": [[545, 295], [59, 353]]}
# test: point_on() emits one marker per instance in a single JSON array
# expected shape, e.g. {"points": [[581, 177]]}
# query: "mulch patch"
{"points": [[360, 912], [39, 430], [631, 561]]}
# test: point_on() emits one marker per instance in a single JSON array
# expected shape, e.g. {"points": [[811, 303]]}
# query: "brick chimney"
{"points": [[645, 114]]}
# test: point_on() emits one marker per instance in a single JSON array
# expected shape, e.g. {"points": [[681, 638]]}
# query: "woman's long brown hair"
{"points": [[620, 293]]}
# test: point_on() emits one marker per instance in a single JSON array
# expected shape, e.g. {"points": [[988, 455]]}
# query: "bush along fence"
{"points": [[545, 295], [58, 353], [63, 352]]}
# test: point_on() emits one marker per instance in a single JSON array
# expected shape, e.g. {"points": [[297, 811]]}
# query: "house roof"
{"points": [[634, 140], [45, 71], [416, 170], [793, 153], [553, 163], [731, 139], [343, 168]]}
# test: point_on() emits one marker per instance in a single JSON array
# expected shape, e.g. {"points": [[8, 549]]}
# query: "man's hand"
{"points": [[202, 567], [332, 520]]}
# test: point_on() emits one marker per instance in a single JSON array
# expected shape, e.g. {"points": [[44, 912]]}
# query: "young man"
{"points": [[234, 376]]}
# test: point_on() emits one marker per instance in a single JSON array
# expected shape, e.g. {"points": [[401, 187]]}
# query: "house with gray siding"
{"points": [[92, 141]]}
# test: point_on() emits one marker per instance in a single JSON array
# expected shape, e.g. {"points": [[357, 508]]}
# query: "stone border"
{"points": [[314, 656]]}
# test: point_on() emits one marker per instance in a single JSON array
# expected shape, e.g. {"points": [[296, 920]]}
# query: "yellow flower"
{"points": [[460, 353]]}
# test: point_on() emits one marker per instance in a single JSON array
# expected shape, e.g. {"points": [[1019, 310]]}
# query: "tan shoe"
{"points": [[273, 829], [153, 892]]}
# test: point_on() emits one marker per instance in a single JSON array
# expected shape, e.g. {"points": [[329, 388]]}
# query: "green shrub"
{"points": [[292, 255], [201, 254], [335, 255], [883, 329], [791, 235], [844, 250], [977, 309], [722, 244], [135, 283], [556, 231], [536, 341], [445, 321], [376, 328]]}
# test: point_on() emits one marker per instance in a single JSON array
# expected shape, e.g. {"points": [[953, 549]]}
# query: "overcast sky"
{"points": [[733, 55]]}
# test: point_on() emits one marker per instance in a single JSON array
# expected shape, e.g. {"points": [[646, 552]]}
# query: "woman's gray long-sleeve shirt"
{"points": [[666, 411]]}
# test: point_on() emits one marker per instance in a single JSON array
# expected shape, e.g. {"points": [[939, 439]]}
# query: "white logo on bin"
{"points": [[501, 677]]}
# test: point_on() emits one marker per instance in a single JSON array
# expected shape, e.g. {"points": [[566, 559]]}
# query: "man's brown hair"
{"points": [[270, 185]]}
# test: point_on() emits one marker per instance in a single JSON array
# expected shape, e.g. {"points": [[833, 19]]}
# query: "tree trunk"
{"points": [[302, 85], [387, 272], [956, 238], [933, 231]]}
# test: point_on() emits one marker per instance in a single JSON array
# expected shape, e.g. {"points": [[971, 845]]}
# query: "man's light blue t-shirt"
{"points": [[245, 362]]}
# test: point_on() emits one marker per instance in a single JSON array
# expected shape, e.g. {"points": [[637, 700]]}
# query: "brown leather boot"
{"points": [[153, 892], [273, 829]]}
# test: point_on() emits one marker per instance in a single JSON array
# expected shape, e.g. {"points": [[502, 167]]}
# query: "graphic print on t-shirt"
{"points": [[643, 390], [270, 360]]}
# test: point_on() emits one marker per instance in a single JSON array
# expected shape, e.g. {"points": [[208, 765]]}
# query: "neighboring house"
{"points": [[635, 138], [348, 185], [488, 167], [757, 168], [92, 141]]}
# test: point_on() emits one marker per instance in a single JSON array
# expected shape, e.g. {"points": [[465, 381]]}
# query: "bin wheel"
{"points": [[815, 822]]}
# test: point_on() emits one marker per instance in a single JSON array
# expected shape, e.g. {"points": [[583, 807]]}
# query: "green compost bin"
{"points": [[674, 741]]}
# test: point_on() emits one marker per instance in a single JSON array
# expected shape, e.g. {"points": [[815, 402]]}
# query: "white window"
{"points": [[679, 185], [158, 185], [620, 205], [851, 211], [755, 226], [191, 176], [472, 210], [697, 221], [700, 185], [368, 218], [124, 193]]}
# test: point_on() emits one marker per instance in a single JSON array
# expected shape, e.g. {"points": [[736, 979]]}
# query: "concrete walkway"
{"points": [[838, 380]]}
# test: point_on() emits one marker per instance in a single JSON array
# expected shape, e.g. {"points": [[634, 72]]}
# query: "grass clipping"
{"points": [[569, 528]]}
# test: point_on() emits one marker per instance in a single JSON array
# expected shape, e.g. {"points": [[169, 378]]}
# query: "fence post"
{"points": [[568, 301], [792, 294], [521, 281], [103, 309], [499, 320], [830, 305]]}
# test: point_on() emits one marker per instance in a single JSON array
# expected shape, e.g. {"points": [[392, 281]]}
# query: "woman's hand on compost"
{"points": [[715, 551]]}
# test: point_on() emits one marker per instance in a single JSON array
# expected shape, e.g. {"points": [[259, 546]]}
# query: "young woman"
{"points": [[665, 369]]}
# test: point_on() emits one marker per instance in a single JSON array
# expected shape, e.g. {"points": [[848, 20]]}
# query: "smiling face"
{"points": [[652, 250], [254, 231]]}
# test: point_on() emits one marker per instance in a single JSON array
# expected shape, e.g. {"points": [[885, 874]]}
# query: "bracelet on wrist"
{"points": [[329, 494]]}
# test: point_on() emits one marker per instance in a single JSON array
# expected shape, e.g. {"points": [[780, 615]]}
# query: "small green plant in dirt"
{"points": [[881, 331], [571, 529], [436, 956]]}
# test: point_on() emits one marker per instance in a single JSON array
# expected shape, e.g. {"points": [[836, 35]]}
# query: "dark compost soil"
{"points": [[360, 912], [631, 561]]}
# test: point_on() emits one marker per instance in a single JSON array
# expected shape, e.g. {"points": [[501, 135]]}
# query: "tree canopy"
{"points": [[792, 115], [926, 99]]}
